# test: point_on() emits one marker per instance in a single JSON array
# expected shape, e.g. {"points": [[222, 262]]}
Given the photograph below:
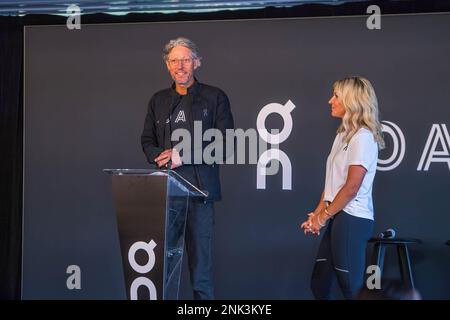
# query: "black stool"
{"points": [[403, 256]]}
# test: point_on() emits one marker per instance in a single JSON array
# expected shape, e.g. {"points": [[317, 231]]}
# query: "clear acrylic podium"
{"points": [[151, 210]]}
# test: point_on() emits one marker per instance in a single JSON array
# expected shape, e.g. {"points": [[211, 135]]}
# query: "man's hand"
{"points": [[163, 158], [169, 155]]}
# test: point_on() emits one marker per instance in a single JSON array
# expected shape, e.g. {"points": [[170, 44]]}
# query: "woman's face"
{"points": [[337, 109]]}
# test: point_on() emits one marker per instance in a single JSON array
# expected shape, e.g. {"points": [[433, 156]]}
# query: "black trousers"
{"points": [[199, 246], [198, 231], [342, 256]]}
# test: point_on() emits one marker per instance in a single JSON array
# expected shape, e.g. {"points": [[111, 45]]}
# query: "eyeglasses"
{"points": [[185, 61]]}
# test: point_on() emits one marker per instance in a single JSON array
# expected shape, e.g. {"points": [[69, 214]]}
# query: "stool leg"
{"points": [[378, 256], [405, 266]]}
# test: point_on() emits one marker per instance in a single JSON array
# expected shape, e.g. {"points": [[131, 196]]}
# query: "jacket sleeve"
{"points": [[224, 120], [149, 140]]}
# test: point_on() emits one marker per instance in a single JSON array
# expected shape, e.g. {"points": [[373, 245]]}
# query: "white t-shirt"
{"points": [[361, 150]]}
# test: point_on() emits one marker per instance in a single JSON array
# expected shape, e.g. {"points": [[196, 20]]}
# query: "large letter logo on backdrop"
{"points": [[438, 134], [142, 281], [274, 139], [398, 149]]}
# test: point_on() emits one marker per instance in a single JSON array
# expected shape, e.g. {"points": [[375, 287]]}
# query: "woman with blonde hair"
{"points": [[346, 207]]}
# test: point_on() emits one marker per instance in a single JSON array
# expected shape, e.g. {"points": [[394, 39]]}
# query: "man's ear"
{"points": [[167, 65], [197, 63]]}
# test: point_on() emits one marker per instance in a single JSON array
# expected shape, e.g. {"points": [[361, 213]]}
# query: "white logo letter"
{"points": [[374, 20], [274, 139], [398, 150], [437, 135], [213, 152], [183, 147], [148, 247], [285, 112], [180, 117], [374, 280], [74, 18], [142, 281], [261, 173], [74, 281]]}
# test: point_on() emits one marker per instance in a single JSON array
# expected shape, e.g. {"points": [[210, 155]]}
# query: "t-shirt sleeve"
{"points": [[362, 150]]}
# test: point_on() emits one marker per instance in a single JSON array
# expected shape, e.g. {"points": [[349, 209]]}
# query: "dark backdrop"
{"points": [[11, 41], [85, 100]]}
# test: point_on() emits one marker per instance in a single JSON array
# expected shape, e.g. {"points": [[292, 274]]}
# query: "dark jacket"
{"points": [[209, 105]]}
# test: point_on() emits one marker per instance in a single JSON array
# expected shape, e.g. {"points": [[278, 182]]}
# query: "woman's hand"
{"points": [[317, 222], [309, 226], [313, 224]]}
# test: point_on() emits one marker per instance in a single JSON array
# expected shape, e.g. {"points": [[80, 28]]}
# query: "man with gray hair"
{"points": [[178, 107]]}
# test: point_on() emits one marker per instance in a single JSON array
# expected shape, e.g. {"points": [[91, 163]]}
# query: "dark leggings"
{"points": [[341, 255]]}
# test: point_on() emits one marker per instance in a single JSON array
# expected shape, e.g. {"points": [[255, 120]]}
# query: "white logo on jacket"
{"points": [[180, 117]]}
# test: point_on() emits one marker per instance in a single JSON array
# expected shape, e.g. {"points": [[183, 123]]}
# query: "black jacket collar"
{"points": [[191, 90]]}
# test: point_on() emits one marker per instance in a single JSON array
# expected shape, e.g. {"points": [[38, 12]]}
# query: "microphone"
{"points": [[388, 234], [176, 99]]}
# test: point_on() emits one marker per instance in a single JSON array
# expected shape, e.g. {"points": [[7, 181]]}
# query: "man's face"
{"points": [[181, 65]]}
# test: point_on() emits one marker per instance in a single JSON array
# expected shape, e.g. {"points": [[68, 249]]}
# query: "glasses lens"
{"points": [[175, 62]]}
